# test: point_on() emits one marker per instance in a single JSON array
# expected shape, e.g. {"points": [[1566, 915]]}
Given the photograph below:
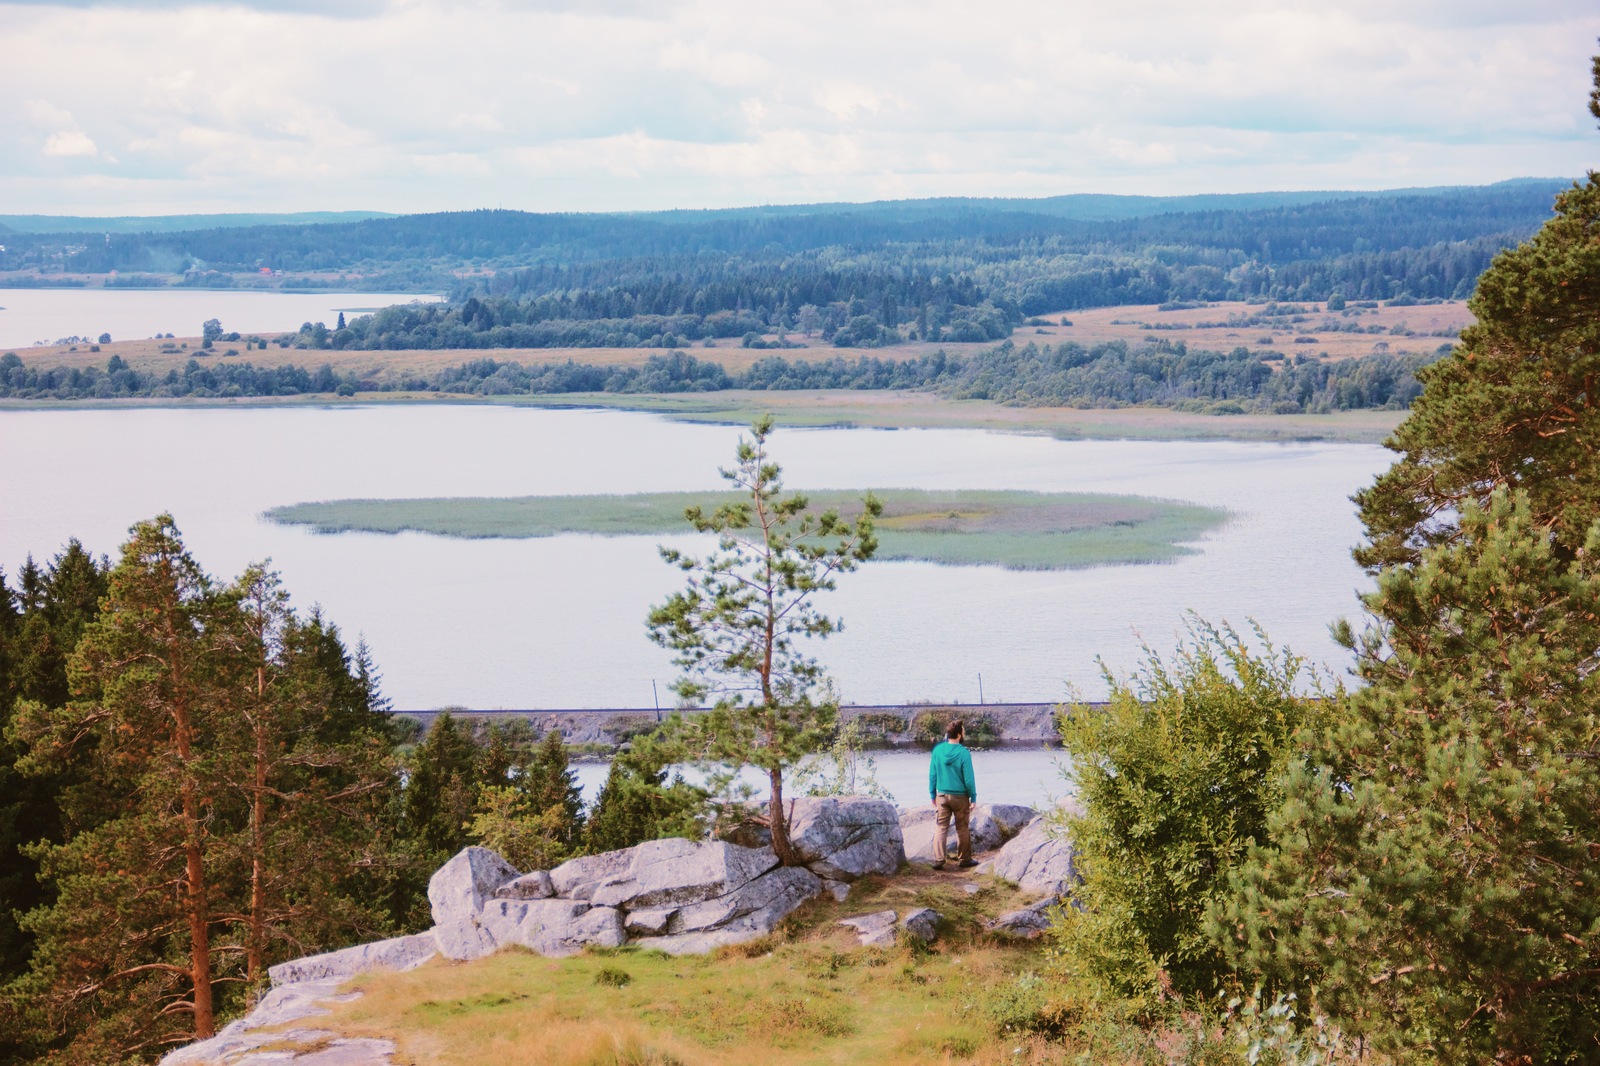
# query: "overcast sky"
{"points": [[415, 105]]}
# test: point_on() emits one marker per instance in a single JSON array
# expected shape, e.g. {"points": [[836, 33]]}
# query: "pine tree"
{"points": [[1432, 879], [736, 627], [125, 959]]}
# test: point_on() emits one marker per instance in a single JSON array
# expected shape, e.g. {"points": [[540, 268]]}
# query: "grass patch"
{"points": [[1017, 530]]}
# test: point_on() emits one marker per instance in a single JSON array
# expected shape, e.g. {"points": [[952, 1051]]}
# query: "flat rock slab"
{"points": [[756, 907], [242, 1042], [1027, 923], [536, 885], [578, 878], [397, 953], [677, 872], [874, 930]]}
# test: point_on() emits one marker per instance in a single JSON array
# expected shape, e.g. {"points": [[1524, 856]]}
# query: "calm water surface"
{"points": [[32, 316], [1009, 776], [558, 622]]}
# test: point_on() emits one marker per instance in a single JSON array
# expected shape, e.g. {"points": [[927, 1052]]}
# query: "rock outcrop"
{"points": [[270, 1033], [991, 825], [844, 838], [1027, 922], [1037, 861], [396, 953]]}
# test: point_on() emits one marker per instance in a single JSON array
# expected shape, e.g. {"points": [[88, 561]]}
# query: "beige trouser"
{"points": [[959, 808]]}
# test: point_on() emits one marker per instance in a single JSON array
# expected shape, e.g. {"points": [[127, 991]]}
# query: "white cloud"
{"points": [[419, 104], [69, 143]]}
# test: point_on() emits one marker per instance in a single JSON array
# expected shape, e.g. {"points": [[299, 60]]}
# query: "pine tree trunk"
{"points": [[195, 881], [258, 845], [780, 824]]}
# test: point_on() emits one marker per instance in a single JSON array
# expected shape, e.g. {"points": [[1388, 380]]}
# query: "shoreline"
{"points": [[845, 409]]}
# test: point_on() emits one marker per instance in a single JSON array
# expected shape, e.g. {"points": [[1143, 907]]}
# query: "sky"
{"points": [[144, 107]]}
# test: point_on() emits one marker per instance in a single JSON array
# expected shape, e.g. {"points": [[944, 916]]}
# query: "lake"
{"points": [[559, 622], [1011, 775], [31, 316]]}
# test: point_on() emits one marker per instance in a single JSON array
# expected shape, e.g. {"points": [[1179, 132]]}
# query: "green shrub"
{"points": [[1176, 774]]}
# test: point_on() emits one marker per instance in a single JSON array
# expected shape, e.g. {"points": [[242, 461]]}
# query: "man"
{"points": [[953, 791]]}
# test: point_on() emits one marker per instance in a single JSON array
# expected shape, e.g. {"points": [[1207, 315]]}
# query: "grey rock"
{"points": [[652, 921], [837, 889], [536, 885], [679, 872], [458, 888], [578, 878], [396, 953], [754, 907], [1026, 923], [600, 926], [922, 923], [874, 930], [991, 825], [1038, 861], [243, 1041], [553, 927], [846, 837], [1011, 818], [972, 889]]}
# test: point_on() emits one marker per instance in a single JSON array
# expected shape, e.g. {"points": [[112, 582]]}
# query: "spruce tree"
{"points": [[639, 803], [441, 790]]}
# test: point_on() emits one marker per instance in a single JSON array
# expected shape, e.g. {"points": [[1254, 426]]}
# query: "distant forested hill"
{"points": [[861, 274]]}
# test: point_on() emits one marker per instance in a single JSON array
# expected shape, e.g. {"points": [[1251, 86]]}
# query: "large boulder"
{"points": [[553, 927], [754, 908], [845, 837], [1038, 861], [991, 825], [578, 878], [397, 953], [458, 889], [536, 885], [677, 872]]}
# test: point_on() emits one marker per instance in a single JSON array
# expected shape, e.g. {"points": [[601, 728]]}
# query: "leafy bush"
{"points": [[1177, 775]]}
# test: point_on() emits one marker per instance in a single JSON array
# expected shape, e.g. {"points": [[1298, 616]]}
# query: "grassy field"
{"points": [[1130, 323], [809, 995], [1017, 530]]}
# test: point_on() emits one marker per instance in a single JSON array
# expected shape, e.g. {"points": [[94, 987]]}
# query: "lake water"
{"points": [[1031, 777], [33, 316], [558, 622]]}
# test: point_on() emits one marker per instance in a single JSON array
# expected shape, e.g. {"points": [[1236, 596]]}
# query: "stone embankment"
{"points": [[889, 725], [674, 895]]}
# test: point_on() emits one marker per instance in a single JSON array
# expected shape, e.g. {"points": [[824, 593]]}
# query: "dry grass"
{"points": [[1127, 324], [1088, 328], [808, 995]]}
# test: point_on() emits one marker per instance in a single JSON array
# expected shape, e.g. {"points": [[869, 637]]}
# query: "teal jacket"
{"points": [[950, 770]]}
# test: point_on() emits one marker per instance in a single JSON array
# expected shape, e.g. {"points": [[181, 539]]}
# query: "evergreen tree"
{"points": [[550, 784], [638, 803], [441, 790], [126, 958], [1511, 406], [313, 770], [1431, 879], [735, 627]]}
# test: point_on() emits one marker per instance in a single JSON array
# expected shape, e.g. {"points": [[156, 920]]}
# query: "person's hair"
{"points": [[954, 729]]}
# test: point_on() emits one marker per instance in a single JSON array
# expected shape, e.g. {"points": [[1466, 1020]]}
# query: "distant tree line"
{"points": [[574, 280], [1162, 374]]}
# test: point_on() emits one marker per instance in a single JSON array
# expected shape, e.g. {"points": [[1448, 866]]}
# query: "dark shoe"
{"points": [[938, 866], [967, 865]]}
